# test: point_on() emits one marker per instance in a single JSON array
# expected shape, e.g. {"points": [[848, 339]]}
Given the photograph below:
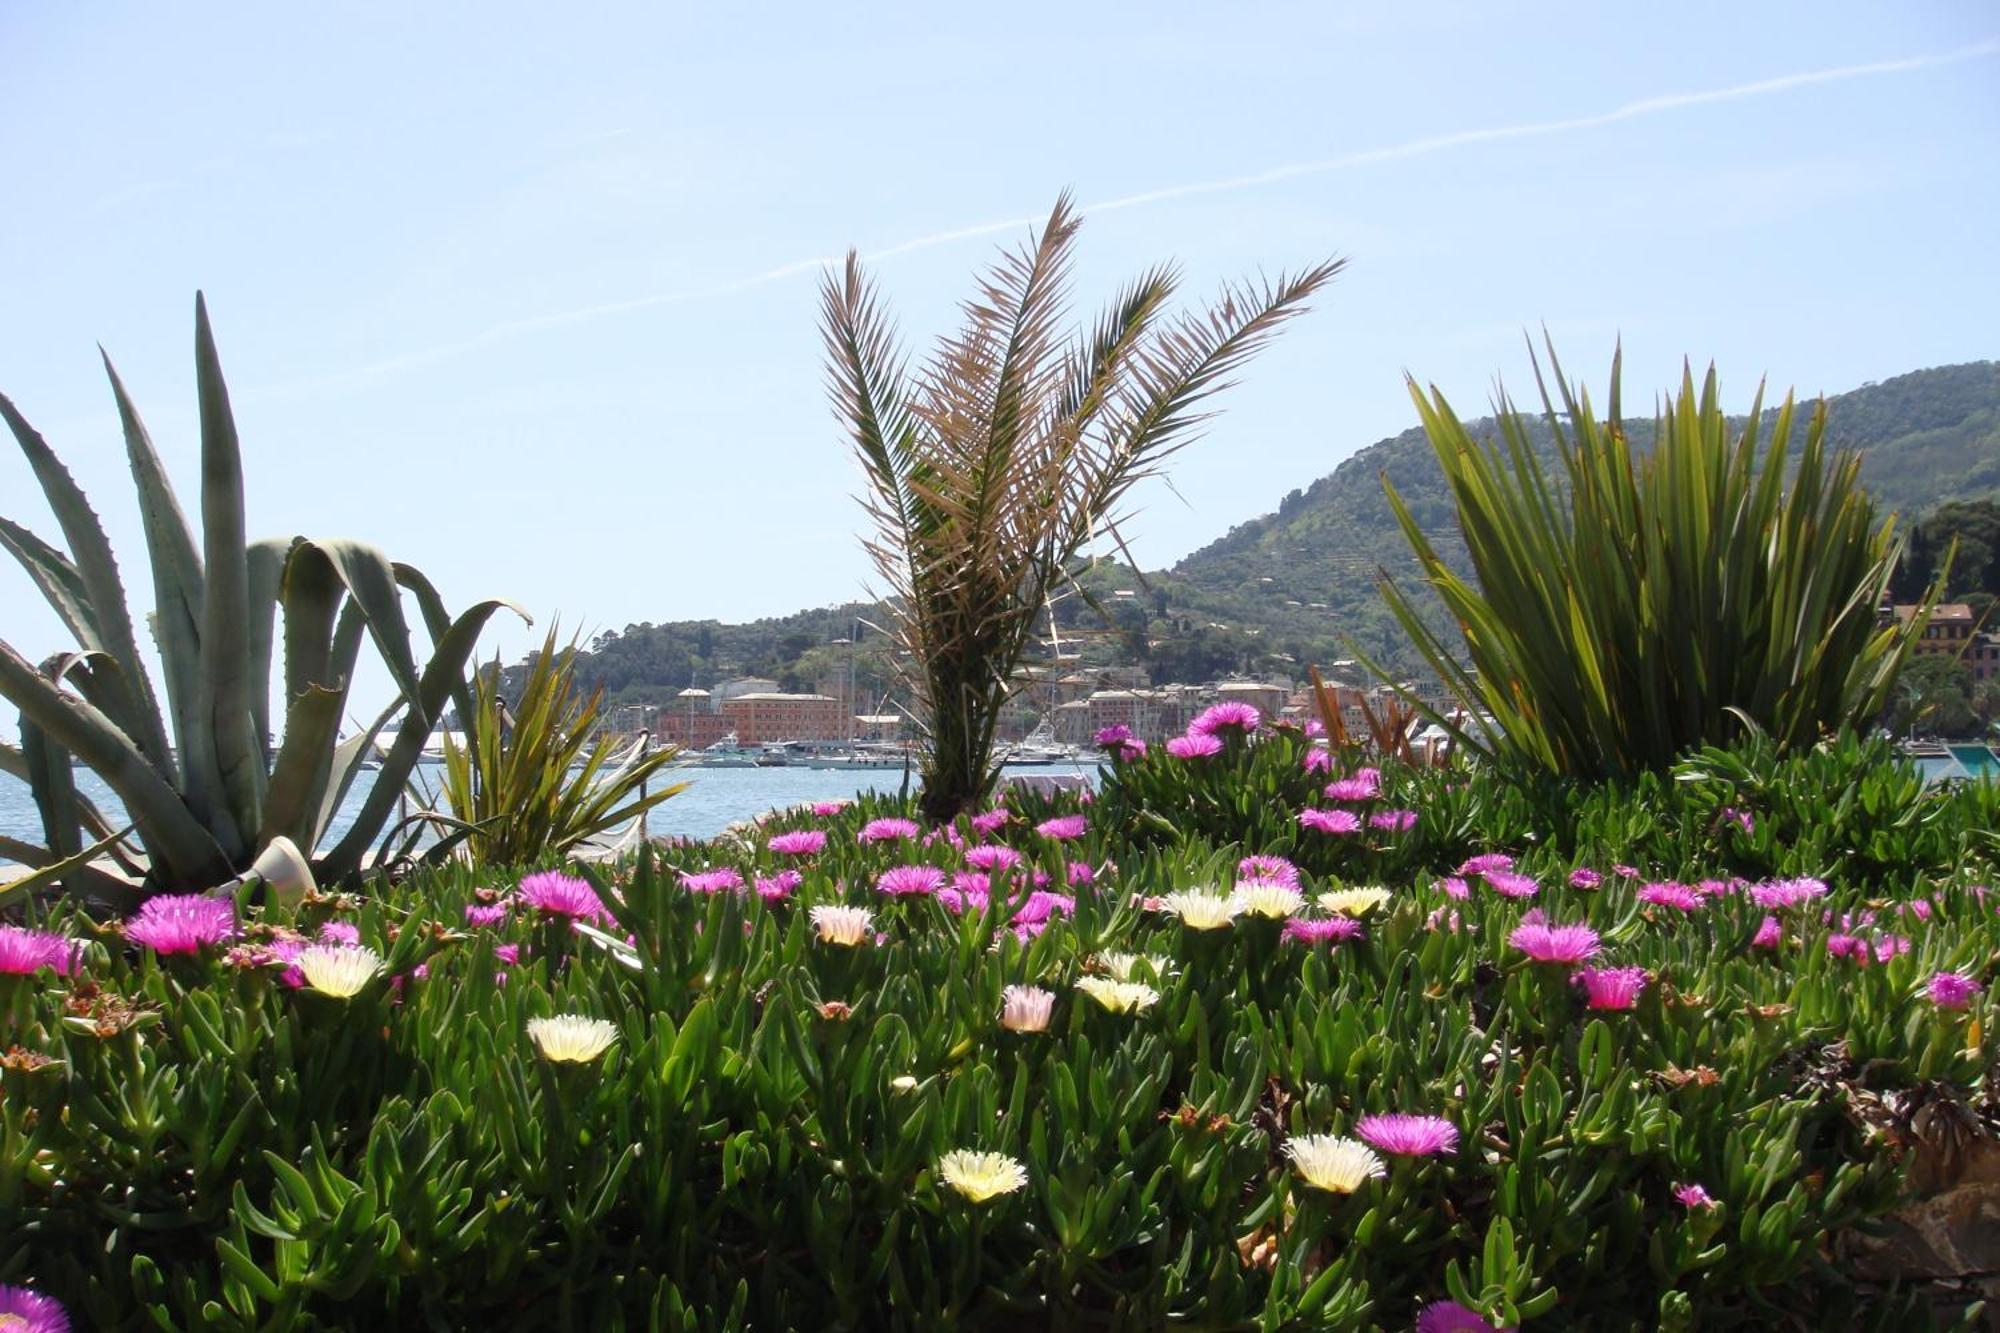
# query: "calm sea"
{"points": [[715, 798]]}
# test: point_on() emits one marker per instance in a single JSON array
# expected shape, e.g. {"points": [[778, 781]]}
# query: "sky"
{"points": [[527, 294]]}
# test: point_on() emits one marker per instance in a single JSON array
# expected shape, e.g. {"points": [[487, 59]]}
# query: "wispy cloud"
{"points": [[1642, 109]]}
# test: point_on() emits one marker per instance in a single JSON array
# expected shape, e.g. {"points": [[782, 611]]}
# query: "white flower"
{"points": [[903, 1083], [1120, 997], [339, 970], [1026, 1008], [572, 1038], [847, 926], [1273, 900], [1353, 902], [1202, 911], [1332, 1163], [980, 1176]]}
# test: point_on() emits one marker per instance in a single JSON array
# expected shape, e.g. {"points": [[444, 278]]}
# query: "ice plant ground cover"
{"points": [[801, 1094]]}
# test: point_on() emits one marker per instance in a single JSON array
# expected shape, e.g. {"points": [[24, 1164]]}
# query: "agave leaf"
{"points": [[266, 560], [178, 585], [304, 764], [57, 579], [97, 570], [181, 844], [77, 868], [441, 677], [53, 785], [228, 775], [350, 758]]}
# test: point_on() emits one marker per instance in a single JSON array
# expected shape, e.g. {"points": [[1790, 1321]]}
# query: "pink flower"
{"points": [[1194, 745], [888, 830], [1611, 987], [1318, 761], [1364, 784], [1322, 930], [827, 809], [24, 1310], [1777, 894], [339, 932], [1554, 944], [1583, 877], [1408, 1135], [1953, 990], [1231, 716], [1920, 908], [910, 881], [1270, 869], [1511, 884], [1454, 887], [988, 822], [1693, 1196], [1743, 819], [1041, 905], [1677, 896], [1330, 821], [486, 914], [1112, 737], [992, 857], [1079, 873], [1888, 945], [1451, 1317], [716, 879], [509, 954], [776, 888], [24, 951], [1063, 827], [965, 897], [1486, 863], [1393, 821], [1629, 872], [181, 923], [1769, 934], [552, 893], [804, 842]]}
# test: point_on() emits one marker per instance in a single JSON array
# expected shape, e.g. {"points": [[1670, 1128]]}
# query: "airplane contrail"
{"points": [[1534, 129]]}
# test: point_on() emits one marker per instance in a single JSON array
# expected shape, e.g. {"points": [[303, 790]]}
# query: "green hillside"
{"points": [[1298, 586]]}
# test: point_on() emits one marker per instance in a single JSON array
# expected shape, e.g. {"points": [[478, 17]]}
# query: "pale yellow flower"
{"points": [[1332, 1163], [1202, 911], [1120, 997], [339, 970], [846, 926], [1124, 966], [572, 1038], [1354, 902], [1272, 900], [904, 1083], [980, 1176]]}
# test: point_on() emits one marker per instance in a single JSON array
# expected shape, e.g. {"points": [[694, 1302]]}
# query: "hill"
{"points": [[1297, 586]]}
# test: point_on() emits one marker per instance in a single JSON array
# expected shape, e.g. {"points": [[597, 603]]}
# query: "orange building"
{"points": [[761, 718]]}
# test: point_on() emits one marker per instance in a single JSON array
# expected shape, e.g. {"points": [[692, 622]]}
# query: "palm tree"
{"points": [[1007, 453]]}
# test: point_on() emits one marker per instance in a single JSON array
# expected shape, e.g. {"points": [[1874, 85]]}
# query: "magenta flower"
{"points": [[1743, 819], [26, 1311], [1063, 827], [888, 830], [1953, 990], [988, 822], [1080, 873], [1231, 716], [552, 893], [1322, 930], [1451, 1317], [1330, 821], [1511, 883], [1486, 863], [1677, 896], [1041, 905], [1628, 872], [716, 879], [1777, 894], [1194, 745], [1393, 821], [1454, 887], [181, 923], [1408, 1135], [1318, 761], [776, 888], [24, 951], [1108, 738], [1554, 944], [910, 881], [1270, 869], [991, 857], [1362, 785], [828, 809], [1694, 1196], [804, 842], [340, 932], [1888, 945], [1583, 877], [1611, 987], [485, 914], [960, 899], [1769, 934]]}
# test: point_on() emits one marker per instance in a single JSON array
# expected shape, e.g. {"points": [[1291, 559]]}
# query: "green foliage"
{"points": [[1009, 453], [207, 1147], [537, 776], [1629, 608], [206, 784]]}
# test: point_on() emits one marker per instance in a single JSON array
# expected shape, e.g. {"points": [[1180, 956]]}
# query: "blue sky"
{"points": [[526, 293]]}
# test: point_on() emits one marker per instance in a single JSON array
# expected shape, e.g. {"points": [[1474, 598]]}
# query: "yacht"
{"points": [[728, 753]]}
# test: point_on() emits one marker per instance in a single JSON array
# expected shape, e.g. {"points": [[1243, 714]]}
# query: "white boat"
{"points": [[859, 757], [728, 753]]}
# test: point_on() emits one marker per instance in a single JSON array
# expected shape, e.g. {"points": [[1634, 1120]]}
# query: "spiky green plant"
{"points": [[1624, 610], [1007, 454], [206, 784], [537, 778]]}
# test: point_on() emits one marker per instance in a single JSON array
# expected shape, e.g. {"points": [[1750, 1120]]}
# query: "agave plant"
{"points": [[1008, 453], [1628, 609], [206, 786], [537, 778]]}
